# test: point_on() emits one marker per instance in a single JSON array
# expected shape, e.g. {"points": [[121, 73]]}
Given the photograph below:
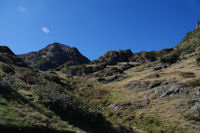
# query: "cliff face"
{"points": [[53, 56]]}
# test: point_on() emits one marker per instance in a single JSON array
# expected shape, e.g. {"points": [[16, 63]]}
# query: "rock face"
{"points": [[53, 56]]}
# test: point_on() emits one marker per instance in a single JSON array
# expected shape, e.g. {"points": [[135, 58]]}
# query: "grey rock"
{"points": [[172, 90], [197, 93], [152, 85], [146, 102]]}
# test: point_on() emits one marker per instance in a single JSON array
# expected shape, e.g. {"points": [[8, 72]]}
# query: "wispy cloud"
{"points": [[45, 30], [21, 8]]}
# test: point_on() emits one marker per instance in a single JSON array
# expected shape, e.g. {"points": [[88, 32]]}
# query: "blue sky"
{"points": [[96, 26]]}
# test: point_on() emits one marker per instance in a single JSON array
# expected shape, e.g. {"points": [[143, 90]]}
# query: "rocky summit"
{"points": [[53, 56], [58, 90]]}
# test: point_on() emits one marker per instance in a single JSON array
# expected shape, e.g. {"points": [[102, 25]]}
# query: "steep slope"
{"points": [[53, 56]]}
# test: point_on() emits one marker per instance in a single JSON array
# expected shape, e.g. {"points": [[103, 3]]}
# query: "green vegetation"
{"points": [[187, 74], [101, 79], [8, 69], [170, 59]]}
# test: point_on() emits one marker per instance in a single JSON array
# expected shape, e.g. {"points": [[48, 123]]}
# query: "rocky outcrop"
{"points": [[113, 57], [172, 90]]}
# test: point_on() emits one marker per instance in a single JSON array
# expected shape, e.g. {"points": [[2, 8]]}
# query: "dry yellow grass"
{"points": [[168, 109]]}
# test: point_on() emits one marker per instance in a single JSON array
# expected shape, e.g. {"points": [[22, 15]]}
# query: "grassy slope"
{"points": [[167, 114], [35, 101], [19, 107], [170, 114]]}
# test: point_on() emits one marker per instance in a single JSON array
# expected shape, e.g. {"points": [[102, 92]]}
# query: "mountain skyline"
{"points": [[95, 27]]}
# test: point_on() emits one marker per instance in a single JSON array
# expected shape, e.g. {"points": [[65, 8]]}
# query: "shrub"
{"points": [[101, 79], [85, 69], [8, 69], [170, 59], [30, 77], [52, 77], [187, 74]]}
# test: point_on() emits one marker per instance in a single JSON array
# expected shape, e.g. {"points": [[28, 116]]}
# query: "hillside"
{"points": [[146, 92], [35, 101], [155, 91]]}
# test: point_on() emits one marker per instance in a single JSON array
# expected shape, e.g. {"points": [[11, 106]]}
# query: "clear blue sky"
{"points": [[96, 26]]}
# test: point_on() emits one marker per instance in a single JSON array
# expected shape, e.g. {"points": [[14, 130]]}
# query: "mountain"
{"points": [[53, 56], [121, 92]]}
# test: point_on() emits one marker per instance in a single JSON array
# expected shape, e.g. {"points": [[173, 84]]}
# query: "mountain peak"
{"points": [[5, 49], [56, 44], [54, 55]]}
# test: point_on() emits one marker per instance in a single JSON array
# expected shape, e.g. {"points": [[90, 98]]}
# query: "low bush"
{"points": [[101, 79], [30, 77], [187, 74], [170, 59], [8, 69], [52, 77]]}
